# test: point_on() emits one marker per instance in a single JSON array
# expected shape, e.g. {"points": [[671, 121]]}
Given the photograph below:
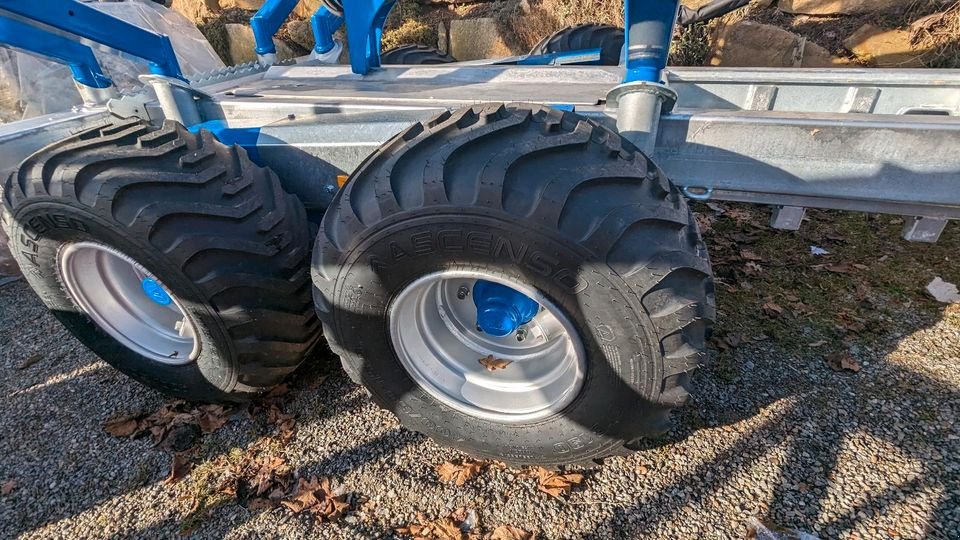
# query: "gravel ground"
{"points": [[776, 435]]}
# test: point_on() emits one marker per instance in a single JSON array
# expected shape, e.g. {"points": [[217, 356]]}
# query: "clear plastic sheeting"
{"points": [[32, 86]]}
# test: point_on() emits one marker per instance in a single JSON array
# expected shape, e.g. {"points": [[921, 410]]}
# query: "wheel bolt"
{"points": [[521, 334], [463, 292]]}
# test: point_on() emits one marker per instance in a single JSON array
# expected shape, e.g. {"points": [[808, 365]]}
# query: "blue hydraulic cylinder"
{"points": [[265, 23], [86, 70], [82, 20], [325, 23], [649, 25], [500, 309]]}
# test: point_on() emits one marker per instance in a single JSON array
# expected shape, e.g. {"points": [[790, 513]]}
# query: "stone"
{"points": [[301, 33], [306, 8], [240, 44], [884, 48], [837, 7], [443, 38], [197, 11], [750, 44], [249, 5], [475, 39]]}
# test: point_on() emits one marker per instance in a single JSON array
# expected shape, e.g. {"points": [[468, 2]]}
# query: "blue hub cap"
{"points": [[500, 309], [155, 291]]}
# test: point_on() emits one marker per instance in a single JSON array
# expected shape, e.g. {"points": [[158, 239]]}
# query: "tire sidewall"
{"points": [[618, 398], [40, 228]]}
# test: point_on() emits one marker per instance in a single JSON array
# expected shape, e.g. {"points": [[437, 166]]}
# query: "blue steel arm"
{"points": [[267, 21], [365, 20], [82, 62], [324, 23], [82, 20], [649, 25]]}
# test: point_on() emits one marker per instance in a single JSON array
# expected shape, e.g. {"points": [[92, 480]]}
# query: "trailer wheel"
{"points": [[172, 256], [518, 282], [414, 55], [607, 38]]}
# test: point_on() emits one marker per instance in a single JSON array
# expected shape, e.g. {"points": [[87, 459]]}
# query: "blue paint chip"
{"points": [[155, 291]]}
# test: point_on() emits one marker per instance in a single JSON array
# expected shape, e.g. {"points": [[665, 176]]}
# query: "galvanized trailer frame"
{"points": [[869, 140]]}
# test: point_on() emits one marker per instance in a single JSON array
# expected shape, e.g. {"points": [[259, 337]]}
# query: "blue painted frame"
{"points": [[83, 63], [82, 20]]}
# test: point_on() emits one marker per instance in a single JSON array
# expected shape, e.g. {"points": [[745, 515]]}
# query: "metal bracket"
{"points": [[923, 229], [787, 218], [177, 98]]}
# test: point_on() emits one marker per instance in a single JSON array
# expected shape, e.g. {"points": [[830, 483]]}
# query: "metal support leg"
{"points": [[643, 96], [325, 23], [177, 99], [93, 85], [265, 24], [365, 20]]}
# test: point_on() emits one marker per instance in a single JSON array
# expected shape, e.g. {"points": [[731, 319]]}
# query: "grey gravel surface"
{"points": [[841, 455]]}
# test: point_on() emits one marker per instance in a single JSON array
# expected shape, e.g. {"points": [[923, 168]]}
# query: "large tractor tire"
{"points": [[518, 282], [414, 55], [172, 256], [607, 38]]}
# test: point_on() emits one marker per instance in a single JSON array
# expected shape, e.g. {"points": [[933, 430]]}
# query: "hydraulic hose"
{"points": [[717, 8]]}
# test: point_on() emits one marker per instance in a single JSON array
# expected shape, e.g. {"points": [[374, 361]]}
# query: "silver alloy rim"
{"points": [[111, 288], [435, 336]]}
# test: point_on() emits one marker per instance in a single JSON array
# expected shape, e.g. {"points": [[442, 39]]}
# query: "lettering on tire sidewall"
{"points": [[38, 226], [455, 241]]}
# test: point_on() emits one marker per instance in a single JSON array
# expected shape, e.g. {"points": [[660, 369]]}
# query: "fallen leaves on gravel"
{"points": [[316, 497], [160, 424], [8, 487], [180, 467], [457, 525], [29, 361], [272, 405], [493, 364], [554, 483], [459, 473], [509, 532], [843, 362]]}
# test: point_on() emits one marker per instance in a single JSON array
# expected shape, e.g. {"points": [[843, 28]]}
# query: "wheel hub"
{"points": [[127, 302], [509, 355]]}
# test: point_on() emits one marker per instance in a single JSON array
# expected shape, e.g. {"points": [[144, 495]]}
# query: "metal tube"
{"points": [[649, 26]]}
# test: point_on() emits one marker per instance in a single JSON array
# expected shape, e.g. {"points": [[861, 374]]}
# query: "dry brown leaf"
{"points": [[122, 426], [509, 532], [459, 473], [554, 483], [8, 487], [748, 255], [772, 310], [179, 468], [444, 528], [493, 364], [259, 504], [840, 268], [316, 497], [843, 362]]}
